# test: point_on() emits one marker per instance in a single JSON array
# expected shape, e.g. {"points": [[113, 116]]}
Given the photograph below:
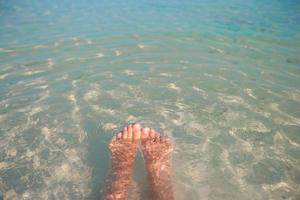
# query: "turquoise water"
{"points": [[220, 78]]}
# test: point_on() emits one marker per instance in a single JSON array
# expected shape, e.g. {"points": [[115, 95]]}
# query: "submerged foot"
{"points": [[123, 149], [157, 151], [156, 148]]}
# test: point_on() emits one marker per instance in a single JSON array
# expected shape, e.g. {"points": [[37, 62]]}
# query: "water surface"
{"points": [[220, 78]]}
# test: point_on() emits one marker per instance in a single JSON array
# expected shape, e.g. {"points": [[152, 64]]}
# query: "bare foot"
{"points": [[123, 149], [157, 151]]}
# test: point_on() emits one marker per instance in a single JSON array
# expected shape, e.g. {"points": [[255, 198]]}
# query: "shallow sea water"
{"points": [[220, 78]]}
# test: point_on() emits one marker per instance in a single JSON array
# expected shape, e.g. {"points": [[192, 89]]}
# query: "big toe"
{"points": [[130, 132], [136, 131], [145, 133]]}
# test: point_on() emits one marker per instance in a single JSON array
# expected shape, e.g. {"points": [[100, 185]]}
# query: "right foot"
{"points": [[157, 151], [156, 148]]}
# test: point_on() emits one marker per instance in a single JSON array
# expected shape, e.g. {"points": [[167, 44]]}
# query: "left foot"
{"points": [[123, 146], [123, 149]]}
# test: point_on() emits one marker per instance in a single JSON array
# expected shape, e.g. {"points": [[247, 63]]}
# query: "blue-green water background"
{"points": [[220, 78]]}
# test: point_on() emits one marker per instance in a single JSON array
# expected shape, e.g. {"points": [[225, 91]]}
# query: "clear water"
{"points": [[221, 78]]}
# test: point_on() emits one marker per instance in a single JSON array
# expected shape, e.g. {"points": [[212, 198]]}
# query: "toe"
{"points": [[168, 143], [157, 137], [136, 131], [129, 129], [152, 134], [114, 139], [162, 139], [119, 136], [145, 133], [125, 133]]}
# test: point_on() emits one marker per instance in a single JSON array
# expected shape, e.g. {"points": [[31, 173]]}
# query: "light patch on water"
{"points": [[195, 127], [11, 194], [143, 62], [72, 154], [77, 44], [43, 87], [214, 76], [181, 106], [50, 62], [274, 93], [33, 72], [35, 110], [70, 59], [196, 171], [36, 162], [249, 92], [262, 113], [45, 96], [108, 111], [46, 132], [197, 89], [91, 95], [48, 12], [217, 49], [250, 47], [6, 50], [289, 190], [56, 44], [109, 126], [28, 155], [247, 146], [179, 120], [99, 55], [62, 171], [257, 127], [34, 82], [239, 178], [141, 46], [61, 142], [24, 109], [293, 95], [75, 39], [76, 115], [131, 119], [231, 99], [3, 165], [274, 106], [40, 47], [184, 61], [129, 72], [283, 118], [96, 108], [165, 74], [292, 74], [290, 141], [242, 73], [72, 97], [224, 157], [3, 117], [26, 195], [173, 86], [89, 41], [3, 76], [118, 53]]}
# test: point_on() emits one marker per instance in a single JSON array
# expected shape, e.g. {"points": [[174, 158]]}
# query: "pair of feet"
{"points": [[157, 154]]}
